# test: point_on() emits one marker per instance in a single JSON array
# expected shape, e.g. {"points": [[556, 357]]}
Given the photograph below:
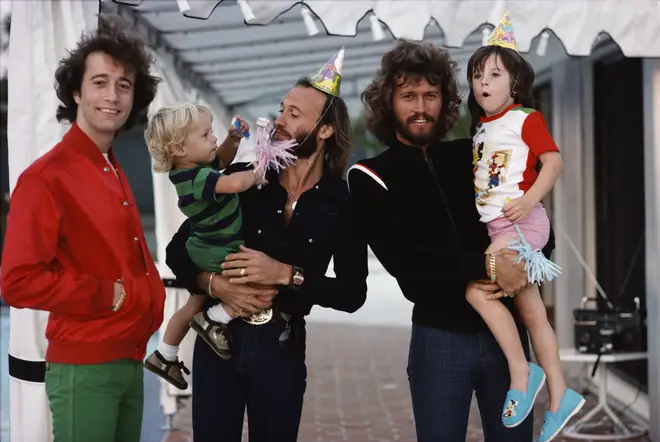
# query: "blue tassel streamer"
{"points": [[538, 267]]}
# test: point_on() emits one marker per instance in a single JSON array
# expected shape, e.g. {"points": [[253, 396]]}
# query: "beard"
{"points": [[420, 138], [306, 142]]}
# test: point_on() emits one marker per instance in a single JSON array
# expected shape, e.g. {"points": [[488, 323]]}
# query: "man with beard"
{"points": [[293, 226], [414, 203]]}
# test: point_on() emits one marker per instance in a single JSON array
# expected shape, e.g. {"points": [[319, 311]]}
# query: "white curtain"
{"points": [[41, 32], [633, 25]]}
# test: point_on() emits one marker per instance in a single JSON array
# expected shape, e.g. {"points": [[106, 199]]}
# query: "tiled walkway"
{"points": [[358, 389]]}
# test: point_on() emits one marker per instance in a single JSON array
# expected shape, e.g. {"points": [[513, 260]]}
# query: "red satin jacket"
{"points": [[72, 231]]}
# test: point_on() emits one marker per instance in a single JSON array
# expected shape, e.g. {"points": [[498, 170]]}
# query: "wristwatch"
{"points": [[298, 277]]}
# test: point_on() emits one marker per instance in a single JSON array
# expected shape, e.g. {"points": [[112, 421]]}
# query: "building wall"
{"points": [[574, 212], [133, 157], [651, 79]]}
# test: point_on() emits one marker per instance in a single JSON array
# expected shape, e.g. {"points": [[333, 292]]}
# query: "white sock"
{"points": [[169, 352], [218, 313]]}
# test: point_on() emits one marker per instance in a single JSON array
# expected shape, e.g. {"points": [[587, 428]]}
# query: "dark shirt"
{"points": [[424, 228], [320, 228]]}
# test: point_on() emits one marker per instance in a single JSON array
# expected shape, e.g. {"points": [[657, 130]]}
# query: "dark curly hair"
{"points": [[409, 61], [520, 72], [338, 147], [114, 38]]}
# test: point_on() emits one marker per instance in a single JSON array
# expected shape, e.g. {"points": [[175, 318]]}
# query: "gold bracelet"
{"points": [[210, 287], [493, 273], [120, 301]]}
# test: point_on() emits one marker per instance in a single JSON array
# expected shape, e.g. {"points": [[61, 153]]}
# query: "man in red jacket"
{"points": [[75, 246]]}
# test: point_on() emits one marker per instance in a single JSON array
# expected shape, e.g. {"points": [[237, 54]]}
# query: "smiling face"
{"points": [[105, 98], [417, 105], [491, 86]]}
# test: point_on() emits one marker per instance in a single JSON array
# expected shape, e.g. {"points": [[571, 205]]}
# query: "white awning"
{"points": [[633, 24], [250, 68]]}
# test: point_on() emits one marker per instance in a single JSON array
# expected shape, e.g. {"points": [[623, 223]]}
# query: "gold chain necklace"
{"points": [[293, 195]]}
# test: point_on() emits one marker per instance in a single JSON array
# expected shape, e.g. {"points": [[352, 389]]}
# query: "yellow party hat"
{"points": [[328, 78], [502, 35]]}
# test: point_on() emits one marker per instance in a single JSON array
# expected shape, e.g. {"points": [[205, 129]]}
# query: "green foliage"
{"points": [[462, 127], [368, 146]]}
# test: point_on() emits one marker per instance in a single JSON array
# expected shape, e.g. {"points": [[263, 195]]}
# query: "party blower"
{"points": [[270, 154]]}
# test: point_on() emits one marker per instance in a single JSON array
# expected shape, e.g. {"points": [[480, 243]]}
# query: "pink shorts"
{"points": [[535, 227]]}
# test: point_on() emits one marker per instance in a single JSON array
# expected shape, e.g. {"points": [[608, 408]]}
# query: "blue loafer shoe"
{"points": [[553, 423], [518, 405]]}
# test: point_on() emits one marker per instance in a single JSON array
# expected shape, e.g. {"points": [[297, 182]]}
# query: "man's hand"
{"points": [[253, 266], [511, 277], [243, 299], [516, 210], [230, 311], [118, 291], [494, 291]]}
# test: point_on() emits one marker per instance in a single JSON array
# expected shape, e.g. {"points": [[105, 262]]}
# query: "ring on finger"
{"points": [[243, 271]]}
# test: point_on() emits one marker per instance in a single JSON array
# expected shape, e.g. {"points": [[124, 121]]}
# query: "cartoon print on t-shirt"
{"points": [[497, 168], [498, 165]]}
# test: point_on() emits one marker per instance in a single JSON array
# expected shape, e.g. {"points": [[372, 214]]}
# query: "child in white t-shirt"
{"points": [[509, 138]]}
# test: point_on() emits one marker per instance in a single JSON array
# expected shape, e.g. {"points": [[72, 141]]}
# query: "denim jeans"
{"points": [[262, 375], [444, 369]]}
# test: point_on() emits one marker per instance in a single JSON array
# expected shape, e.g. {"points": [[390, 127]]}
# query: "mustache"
{"points": [[423, 116], [277, 131]]}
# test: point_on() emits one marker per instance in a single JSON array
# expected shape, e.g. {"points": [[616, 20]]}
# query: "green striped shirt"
{"points": [[215, 218]]}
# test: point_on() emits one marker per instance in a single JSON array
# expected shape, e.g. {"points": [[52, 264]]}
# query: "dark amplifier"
{"points": [[607, 332]]}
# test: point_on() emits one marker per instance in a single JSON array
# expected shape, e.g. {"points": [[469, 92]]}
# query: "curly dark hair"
{"points": [[520, 72], [112, 37], [338, 147], [410, 61]]}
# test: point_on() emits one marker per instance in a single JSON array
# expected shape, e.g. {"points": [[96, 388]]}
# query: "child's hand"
{"points": [[516, 210], [260, 178], [235, 134], [261, 181]]}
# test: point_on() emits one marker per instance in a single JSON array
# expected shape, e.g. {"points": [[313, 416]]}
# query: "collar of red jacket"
{"points": [[78, 141]]}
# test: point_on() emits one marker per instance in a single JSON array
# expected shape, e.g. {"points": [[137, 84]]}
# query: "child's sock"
{"points": [[218, 313], [169, 352]]}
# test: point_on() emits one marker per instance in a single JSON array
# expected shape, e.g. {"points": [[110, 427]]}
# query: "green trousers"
{"points": [[96, 402]]}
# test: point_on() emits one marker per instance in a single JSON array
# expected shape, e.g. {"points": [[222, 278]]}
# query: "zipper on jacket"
{"points": [[431, 168]]}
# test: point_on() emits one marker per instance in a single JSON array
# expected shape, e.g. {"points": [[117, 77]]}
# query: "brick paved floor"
{"points": [[358, 389]]}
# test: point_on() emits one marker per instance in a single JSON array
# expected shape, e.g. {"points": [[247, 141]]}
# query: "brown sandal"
{"points": [[168, 370]]}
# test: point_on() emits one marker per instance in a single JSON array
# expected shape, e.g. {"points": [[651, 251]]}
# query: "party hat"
{"points": [[502, 35], [328, 78]]}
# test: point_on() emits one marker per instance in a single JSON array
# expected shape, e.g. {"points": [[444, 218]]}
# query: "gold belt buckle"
{"points": [[260, 318]]}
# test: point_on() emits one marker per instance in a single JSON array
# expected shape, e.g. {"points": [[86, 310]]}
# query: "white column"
{"points": [[568, 204], [652, 192]]}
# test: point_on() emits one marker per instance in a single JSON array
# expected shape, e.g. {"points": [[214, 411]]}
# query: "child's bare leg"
{"points": [[164, 362], [501, 324], [178, 327], [534, 316]]}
